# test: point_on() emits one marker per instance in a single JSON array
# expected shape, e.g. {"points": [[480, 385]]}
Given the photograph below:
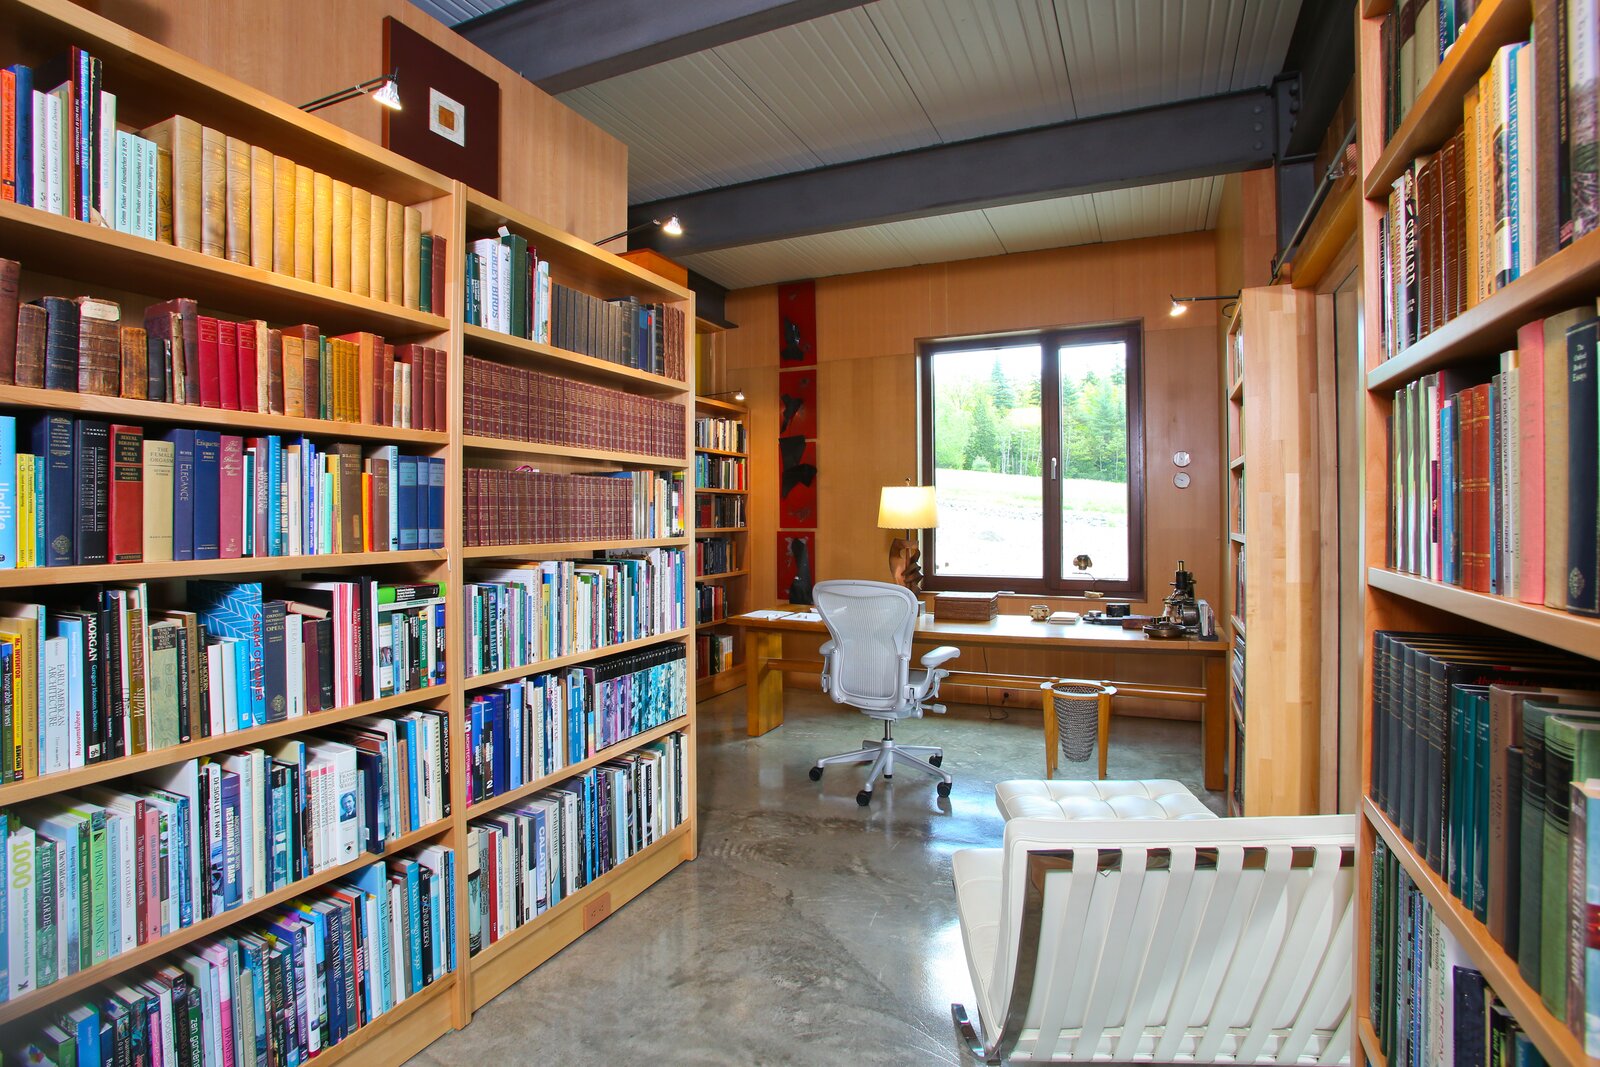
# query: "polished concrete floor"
{"points": [[810, 931]]}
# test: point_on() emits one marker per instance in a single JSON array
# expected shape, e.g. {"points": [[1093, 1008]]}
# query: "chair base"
{"points": [[971, 1040], [883, 755]]}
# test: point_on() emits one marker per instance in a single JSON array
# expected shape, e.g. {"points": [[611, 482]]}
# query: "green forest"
{"points": [[994, 426]]}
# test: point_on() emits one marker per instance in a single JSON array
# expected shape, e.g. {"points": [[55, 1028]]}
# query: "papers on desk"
{"points": [[786, 616], [803, 616], [765, 615]]}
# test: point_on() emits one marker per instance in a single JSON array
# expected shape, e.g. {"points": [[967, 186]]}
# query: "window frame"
{"points": [[1050, 341]]}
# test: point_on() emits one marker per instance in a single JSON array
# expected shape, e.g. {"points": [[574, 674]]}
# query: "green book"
{"points": [[1535, 714], [1480, 822], [99, 882], [46, 851], [425, 297], [72, 882], [1572, 752]]}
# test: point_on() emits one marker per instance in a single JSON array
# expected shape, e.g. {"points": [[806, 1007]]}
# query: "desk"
{"points": [[764, 664]]}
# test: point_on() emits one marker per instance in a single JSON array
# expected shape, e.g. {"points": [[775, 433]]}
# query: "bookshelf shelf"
{"points": [[722, 452], [548, 357], [723, 530], [392, 1026], [24, 577], [28, 788], [723, 492], [1549, 625], [1555, 1041], [1369, 1043], [561, 774], [599, 455], [560, 547], [1236, 538], [1236, 464], [1237, 392], [150, 950], [712, 685], [722, 574], [726, 407], [1237, 623], [511, 674], [1437, 111]]}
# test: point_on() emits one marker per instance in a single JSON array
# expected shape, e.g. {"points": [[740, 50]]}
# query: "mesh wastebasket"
{"points": [[1077, 721]]}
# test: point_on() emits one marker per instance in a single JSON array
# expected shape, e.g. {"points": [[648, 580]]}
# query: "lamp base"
{"points": [[904, 568]]}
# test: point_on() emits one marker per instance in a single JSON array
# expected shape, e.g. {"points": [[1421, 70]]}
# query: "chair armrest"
{"points": [[826, 649], [942, 654]]}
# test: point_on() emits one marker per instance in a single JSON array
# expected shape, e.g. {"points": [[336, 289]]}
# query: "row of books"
{"points": [[517, 404], [1427, 1004], [1478, 744], [721, 472], [1494, 483], [1415, 36], [179, 356], [710, 603], [77, 491], [280, 989], [719, 512], [1466, 220], [525, 506], [728, 435], [520, 732], [713, 654], [526, 859], [715, 555], [521, 615], [508, 287]]}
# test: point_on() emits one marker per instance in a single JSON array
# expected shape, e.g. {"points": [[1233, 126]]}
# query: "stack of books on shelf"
{"points": [[720, 472], [524, 860], [281, 988], [1427, 1003], [525, 506], [531, 728], [508, 287], [710, 603], [79, 491], [720, 512], [1493, 470], [1416, 37], [520, 615], [515, 404], [725, 435], [713, 654], [714, 555], [176, 355], [115, 675]]}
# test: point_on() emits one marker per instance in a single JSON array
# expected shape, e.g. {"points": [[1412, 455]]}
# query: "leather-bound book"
{"points": [[360, 242], [163, 336], [253, 372], [32, 327], [283, 215], [60, 343], [368, 351], [178, 195], [350, 526], [208, 376], [411, 264], [394, 229], [99, 347], [213, 192], [272, 356], [311, 368], [127, 494], [303, 225], [378, 535], [236, 240], [1477, 533], [10, 276], [227, 365], [294, 370], [91, 454], [322, 229], [135, 352], [378, 248], [341, 236], [263, 186]]}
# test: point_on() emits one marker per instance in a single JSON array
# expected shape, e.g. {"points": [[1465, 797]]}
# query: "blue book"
{"points": [[235, 610], [8, 492], [435, 502], [274, 663], [207, 490], [1449, 560], [518, 773], [414, 908], [275, 546], [24, 146], [250, 512], [38, 511], [281, 800], [182, 492], [86, 1027], [1513, 166], [407, 495], [241, 672], [502, 746], [408, 727], [49, 436], [231, 855], [374, 882]]}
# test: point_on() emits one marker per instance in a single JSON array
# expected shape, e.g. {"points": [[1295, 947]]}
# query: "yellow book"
{"points": [[11, 746], [213, 192], [302, 222], [322, 229], [25, 694], [178, 179], [283, 213], [360, 241], [341, 236], [393, 253], [158, 464], [412, 253], [263, 184], [294, 374], [237, 225], [27, 549], [378, 244], [1469, 193]]}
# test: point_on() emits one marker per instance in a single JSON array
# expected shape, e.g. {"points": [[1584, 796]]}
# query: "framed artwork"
{"points": [[797, 324], [797, 403], [797, 488], [449, 117], [797, 553]]}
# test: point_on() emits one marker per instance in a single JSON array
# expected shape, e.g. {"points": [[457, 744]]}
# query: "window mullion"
{"points": [[1050, 449]]}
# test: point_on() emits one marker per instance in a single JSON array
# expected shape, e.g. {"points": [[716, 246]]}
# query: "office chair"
{"points": [[867, 664]]}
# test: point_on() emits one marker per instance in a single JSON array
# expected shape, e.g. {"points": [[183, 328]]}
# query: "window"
{"points": [[1035, 447]]}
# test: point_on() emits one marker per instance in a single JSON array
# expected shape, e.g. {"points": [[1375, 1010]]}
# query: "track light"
{"points": [[1180, 304], [669, 226], [384, 90]]}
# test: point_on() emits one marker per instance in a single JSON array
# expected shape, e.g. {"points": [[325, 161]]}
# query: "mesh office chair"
{"points": [[867, 664]]}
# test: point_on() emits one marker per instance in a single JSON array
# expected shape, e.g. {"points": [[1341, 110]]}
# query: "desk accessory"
{"points": [[908, 508]]}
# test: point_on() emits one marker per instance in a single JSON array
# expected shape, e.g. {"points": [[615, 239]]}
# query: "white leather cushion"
{"points": [[1076, 801], [977, 875]]}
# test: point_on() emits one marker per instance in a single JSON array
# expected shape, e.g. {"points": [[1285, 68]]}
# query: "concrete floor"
{"points": [[810, 931]]}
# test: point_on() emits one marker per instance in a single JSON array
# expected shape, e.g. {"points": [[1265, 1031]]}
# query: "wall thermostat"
{"points": [[1181, 480], [1181, 458]]}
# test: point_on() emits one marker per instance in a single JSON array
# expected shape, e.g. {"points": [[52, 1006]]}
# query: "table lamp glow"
{"points": [[908, 508]]}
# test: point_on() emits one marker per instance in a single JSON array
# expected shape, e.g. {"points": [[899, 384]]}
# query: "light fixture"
{"points": [[737, 394], [907, 507], [384, 90], [669, 226], [1180, 304]]}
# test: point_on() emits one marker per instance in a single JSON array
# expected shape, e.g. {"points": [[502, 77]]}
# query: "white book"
{"points": [[398, 957], [294, 663], [124, 808], [107, 135], [76, 742], [215, 709], [502, 252], [249, 818], [345, 836], [261, 796], [122, 179], [56, 185], [119, 885], [230, 687], [41, 150], [152, 164], [20, 943], [55, 735]]}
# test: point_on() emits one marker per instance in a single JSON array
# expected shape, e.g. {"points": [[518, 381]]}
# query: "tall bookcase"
{"points": [[64, 256], [736, 579], [1404, 602]]}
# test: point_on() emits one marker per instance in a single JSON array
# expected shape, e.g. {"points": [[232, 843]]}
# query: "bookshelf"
{"points": [[735, 579], [1395, 600], [63, 256], [1233, 592]]}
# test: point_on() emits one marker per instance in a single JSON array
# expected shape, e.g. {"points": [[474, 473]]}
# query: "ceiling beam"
{"points": [[565, 44], [1322, 50], [1188, 139]]}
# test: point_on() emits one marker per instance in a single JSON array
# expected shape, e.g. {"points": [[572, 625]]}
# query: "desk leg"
{"points": [[763, 686], [1215, 723]]}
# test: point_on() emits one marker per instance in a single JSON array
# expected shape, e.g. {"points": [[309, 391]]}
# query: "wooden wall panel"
{"points": [[554, 163]]}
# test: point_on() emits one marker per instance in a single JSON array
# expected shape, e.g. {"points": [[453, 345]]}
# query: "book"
{"points": [[178, 143], [213, 192], [91, 450], [158, 500], [1583, 473], [98, 358], [237, 179], [126, 496]]}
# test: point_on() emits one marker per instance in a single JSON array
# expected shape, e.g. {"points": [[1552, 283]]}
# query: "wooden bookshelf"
{"points": [[1398, 601], [511, 674], [558, 548], [561, 774], [25, 577], [598, 455], [735, 580], [485, 342]]}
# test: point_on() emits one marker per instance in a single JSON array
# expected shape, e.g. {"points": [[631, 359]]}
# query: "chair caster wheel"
{"points": [[864, 797], [944, 789], [937, 761], [816, 774]]}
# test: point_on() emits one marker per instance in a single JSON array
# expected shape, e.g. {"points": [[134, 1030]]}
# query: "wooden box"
{"points": [[966, 607]]}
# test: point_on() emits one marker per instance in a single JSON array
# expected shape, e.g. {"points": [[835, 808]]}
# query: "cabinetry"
{"points": [[722, 531]]}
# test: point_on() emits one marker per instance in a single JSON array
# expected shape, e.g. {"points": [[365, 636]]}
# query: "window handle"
{"points": [[1052, 468]]}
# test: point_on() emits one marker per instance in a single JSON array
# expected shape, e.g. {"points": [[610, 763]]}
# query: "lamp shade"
{"points": [[907, 507]]}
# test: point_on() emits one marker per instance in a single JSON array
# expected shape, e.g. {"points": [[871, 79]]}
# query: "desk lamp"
{"points": [[908, 508]]}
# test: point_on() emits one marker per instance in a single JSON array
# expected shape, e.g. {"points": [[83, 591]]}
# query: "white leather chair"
{"points": [[867, 664], [1220, 940], [1150, 798]]}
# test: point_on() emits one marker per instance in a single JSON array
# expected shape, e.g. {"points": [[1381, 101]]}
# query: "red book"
{"points": [[127, 494], [386, 412], [8, 136], [422, 405], [1530, 476], [312, 658], [250, 367], [230, 498], [1476, 532], [228, 364], [440, 393], [210, 375]]}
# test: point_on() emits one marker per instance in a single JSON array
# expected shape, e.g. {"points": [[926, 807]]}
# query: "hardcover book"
{"points": [[127, 494]]}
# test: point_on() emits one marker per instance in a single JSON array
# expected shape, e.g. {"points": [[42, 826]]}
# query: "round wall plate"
{"points": [[1181, 480], [1181, 459]]}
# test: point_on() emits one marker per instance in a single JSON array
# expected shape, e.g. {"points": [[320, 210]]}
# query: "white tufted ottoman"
{"points": [[1151, 800]]}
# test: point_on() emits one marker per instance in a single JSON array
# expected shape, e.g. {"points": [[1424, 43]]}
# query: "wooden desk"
{"points": [[764, 664]]}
